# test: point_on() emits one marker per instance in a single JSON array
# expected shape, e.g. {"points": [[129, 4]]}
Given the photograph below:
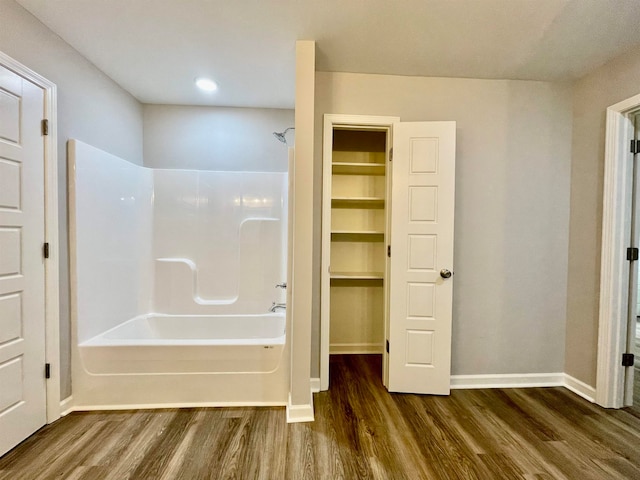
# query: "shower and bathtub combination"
{"points": [[177, 280]]}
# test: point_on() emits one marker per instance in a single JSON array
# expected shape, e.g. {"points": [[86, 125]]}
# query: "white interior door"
{"points": [[420, 298], [22, 281]]}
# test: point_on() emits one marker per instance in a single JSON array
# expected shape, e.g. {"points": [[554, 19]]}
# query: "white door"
{"points": [[420, 297], [22, 324]]}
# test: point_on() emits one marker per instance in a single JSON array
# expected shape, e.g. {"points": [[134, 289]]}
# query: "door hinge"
{"points": [[628, 359], [635, 146], [45, 250], [388, 250], [391, 154], [632, 254], [387, 346], [47, 370], [45, 127]]}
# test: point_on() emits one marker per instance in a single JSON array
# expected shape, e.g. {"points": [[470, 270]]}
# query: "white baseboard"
{"points": [[580, 388], [525, 380], [355, 348], [66, 406], [295, 413], [299, 413], [304, 413], [154, 406], [508, 380], [315, 385]]}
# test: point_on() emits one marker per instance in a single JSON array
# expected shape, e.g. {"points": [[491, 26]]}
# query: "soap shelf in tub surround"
{"points": [[178, 287], [183, 277]]}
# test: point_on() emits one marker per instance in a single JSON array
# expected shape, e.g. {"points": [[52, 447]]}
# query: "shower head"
{"points": [[282, 135]]}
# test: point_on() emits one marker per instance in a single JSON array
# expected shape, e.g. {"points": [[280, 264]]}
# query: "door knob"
{"points": [[444, 273]]}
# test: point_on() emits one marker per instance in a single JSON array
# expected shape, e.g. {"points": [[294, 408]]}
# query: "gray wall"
{"points": [[615, 81], [216, 138], [512, 208], [91, 108]]}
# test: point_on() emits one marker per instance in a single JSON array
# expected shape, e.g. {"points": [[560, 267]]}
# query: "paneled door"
{"points": [[22, 280], [421, 264]]}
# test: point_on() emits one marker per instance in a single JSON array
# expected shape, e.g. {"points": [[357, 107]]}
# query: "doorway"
{"points": [[617, 316], [387, 248], [357, 258]]}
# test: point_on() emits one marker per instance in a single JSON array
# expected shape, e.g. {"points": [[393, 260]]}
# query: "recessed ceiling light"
{"points": [[206, 84]]}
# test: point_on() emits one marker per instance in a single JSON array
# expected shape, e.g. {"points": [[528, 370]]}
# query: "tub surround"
{"points": [[173, 273], [111, 212], [226, 227]]}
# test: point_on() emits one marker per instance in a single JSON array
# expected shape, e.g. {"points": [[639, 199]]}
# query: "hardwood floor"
{"points": [[360, 432], [636, 387]]}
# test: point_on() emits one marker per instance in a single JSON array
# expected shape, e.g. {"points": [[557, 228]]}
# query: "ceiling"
{"points": [[156, 48]]}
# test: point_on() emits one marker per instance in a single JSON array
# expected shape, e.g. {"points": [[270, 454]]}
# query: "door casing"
{"points": [[614, 267]]}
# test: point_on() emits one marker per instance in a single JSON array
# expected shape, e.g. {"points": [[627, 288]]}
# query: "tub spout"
{"points": [[275, 306]]}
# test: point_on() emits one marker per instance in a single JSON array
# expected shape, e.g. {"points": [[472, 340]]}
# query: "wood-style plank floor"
{"points": [[636, 387], [360, 432]]}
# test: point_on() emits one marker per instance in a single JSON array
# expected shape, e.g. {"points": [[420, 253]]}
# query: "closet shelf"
{"points": [[341, 168], [357, 275], [357, 202], [357, 236]]}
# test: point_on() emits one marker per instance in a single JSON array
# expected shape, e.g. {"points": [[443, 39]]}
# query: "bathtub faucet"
{"points": [[275, 306]]}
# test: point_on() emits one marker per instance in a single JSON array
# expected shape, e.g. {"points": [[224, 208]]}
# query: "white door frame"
{"points": [[330, 121], [614, 267], [52, 311]]}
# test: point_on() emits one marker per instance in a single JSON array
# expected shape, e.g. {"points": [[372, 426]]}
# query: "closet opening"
{"points": [[387, 249], [358, 261]]}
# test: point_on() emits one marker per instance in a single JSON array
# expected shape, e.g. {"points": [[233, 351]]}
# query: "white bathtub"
{"points": [[157, 329], [168, 344]]}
